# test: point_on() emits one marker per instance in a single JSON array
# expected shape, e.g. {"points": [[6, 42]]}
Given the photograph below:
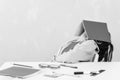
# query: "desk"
{"points": [[112, 71]]}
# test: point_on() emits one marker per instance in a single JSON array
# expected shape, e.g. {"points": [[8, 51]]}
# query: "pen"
{"points": [[69, 66], [22, 65], [96, 73]]}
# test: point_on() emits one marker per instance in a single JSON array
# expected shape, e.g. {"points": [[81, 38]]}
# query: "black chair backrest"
{"points": [[105, 51]]}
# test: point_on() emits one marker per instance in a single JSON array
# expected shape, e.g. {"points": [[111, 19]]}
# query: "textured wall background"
{"points": [[34, 30]]}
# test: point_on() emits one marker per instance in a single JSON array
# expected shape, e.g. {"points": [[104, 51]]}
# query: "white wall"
{"points": [[34, 30]]}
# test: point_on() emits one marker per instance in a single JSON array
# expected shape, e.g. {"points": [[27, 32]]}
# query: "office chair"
{"points": [[105, 51]]}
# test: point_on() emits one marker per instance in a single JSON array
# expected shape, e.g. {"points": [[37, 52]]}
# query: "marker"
{"points": [[78, 73]]}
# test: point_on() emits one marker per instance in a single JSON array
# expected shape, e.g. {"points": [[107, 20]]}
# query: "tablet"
{"points": [[18, 72]]}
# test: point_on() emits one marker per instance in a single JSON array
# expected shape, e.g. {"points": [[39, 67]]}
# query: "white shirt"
{"points": [[83, 51]]}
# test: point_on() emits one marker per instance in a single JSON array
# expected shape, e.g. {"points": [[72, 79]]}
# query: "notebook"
{"points": [[18, 72], [95, 30]]}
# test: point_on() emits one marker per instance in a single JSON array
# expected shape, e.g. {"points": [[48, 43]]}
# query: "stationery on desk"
{"points": [[91, 73], [54, 66], [76, 72], [57, 70]]}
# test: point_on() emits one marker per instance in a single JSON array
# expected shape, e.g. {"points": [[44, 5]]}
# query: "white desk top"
{"points": [[112, 71]]}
